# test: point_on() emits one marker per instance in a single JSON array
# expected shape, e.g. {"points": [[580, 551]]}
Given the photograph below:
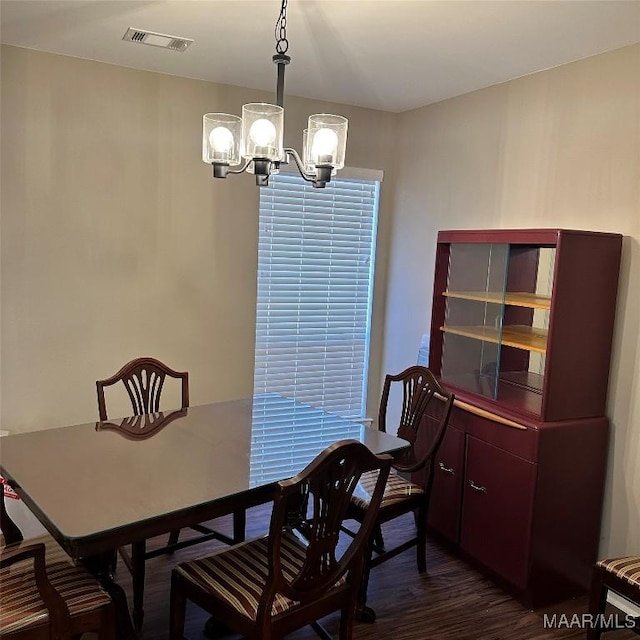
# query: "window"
{"points": [[315, 272]]}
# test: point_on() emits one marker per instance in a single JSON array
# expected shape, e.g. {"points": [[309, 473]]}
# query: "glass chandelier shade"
{"points": [[221, 137], [327, 140], [262, 131], [309, 167]]}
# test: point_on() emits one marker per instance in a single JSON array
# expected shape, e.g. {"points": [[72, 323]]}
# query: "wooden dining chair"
{"points": [[622, 576], [143, 379], [420, 390], [44, 595], [269, 586]]}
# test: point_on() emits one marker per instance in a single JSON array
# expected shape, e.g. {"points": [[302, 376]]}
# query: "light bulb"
{"points": [[221, 139], [262, 132], [325, 146]]}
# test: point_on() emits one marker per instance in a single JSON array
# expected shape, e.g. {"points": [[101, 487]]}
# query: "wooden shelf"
{"points": [[511, 396], [518, 336], [514, 299]]}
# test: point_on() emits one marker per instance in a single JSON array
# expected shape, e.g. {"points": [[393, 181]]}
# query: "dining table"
{"points": [[102, 485]]}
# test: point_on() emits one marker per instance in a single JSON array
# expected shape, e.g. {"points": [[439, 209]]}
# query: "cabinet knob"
{"points": [[446, 469], [476, 487]]}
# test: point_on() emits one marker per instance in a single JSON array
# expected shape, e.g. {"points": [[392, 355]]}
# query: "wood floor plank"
{"points": [[452, 601]]}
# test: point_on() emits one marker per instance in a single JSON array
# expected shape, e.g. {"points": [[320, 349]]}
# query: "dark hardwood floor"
{"points": [[451, 602]]}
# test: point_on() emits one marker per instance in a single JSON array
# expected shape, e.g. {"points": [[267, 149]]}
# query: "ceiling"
{"points": [[383, 54]]}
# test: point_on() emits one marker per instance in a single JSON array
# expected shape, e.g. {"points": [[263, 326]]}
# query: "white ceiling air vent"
{"points": [[156, 39]]}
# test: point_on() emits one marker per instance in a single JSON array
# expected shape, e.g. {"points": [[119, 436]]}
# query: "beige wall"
{"points": [[560, 148], [117, 242]]}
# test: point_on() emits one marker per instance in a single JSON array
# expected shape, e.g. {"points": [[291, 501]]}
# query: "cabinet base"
{"points": [[542, 591]]}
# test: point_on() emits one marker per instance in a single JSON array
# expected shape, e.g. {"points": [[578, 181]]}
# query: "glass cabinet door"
{"points": [[497, 303], [474, 316]]}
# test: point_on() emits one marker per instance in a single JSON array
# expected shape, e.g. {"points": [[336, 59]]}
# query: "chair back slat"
{"points": [[322, 492], [420, 388], [144, 386], [142, 427], [143, 379]]}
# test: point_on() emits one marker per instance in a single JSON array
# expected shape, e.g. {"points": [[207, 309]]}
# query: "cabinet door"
{"points": [[446, 493], [497, 510]]}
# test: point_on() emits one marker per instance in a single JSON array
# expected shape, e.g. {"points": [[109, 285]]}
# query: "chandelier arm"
{"points": [[309, 177], [242, 169]]}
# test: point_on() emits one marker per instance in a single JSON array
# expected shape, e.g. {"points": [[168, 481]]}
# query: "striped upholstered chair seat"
{"points": [[237, 575], [23, 608], [396, 490], [627, 568]]}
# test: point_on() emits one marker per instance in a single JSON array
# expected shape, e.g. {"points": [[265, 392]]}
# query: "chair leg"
{"points": [[364, 613], [173, 538], [346, 623], [137, 562], [378, 538], [177, 610], [239, 525], [597, 603], [108, 624], [421, 543], [321, 632]]}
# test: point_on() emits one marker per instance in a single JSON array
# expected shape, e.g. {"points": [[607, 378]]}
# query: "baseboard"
{"points": [[623, 605]]}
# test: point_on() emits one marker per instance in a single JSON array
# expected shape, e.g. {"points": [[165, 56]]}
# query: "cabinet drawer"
{"points": [[444, 506], [497, 510], [520, 442]]}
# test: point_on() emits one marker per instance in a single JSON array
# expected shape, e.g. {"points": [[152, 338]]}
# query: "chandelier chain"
{"points": [[282, 44]]}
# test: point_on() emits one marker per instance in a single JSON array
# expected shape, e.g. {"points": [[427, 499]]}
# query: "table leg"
{"points": [[138, 550], [100, 567], [365, 614], [239, 526]]}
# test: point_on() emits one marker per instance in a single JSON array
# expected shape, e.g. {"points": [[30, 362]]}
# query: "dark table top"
{"points": [[98, 485]]}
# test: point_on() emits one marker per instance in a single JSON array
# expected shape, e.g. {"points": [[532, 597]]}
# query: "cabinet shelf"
{"points": [[513, 299], [518, 336]]}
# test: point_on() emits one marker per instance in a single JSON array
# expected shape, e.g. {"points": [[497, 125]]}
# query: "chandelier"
{"points": [[254, 142]]}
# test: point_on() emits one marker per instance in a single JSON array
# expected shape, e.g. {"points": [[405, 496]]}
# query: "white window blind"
{"points": [[315, 268], [286, 435]]}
